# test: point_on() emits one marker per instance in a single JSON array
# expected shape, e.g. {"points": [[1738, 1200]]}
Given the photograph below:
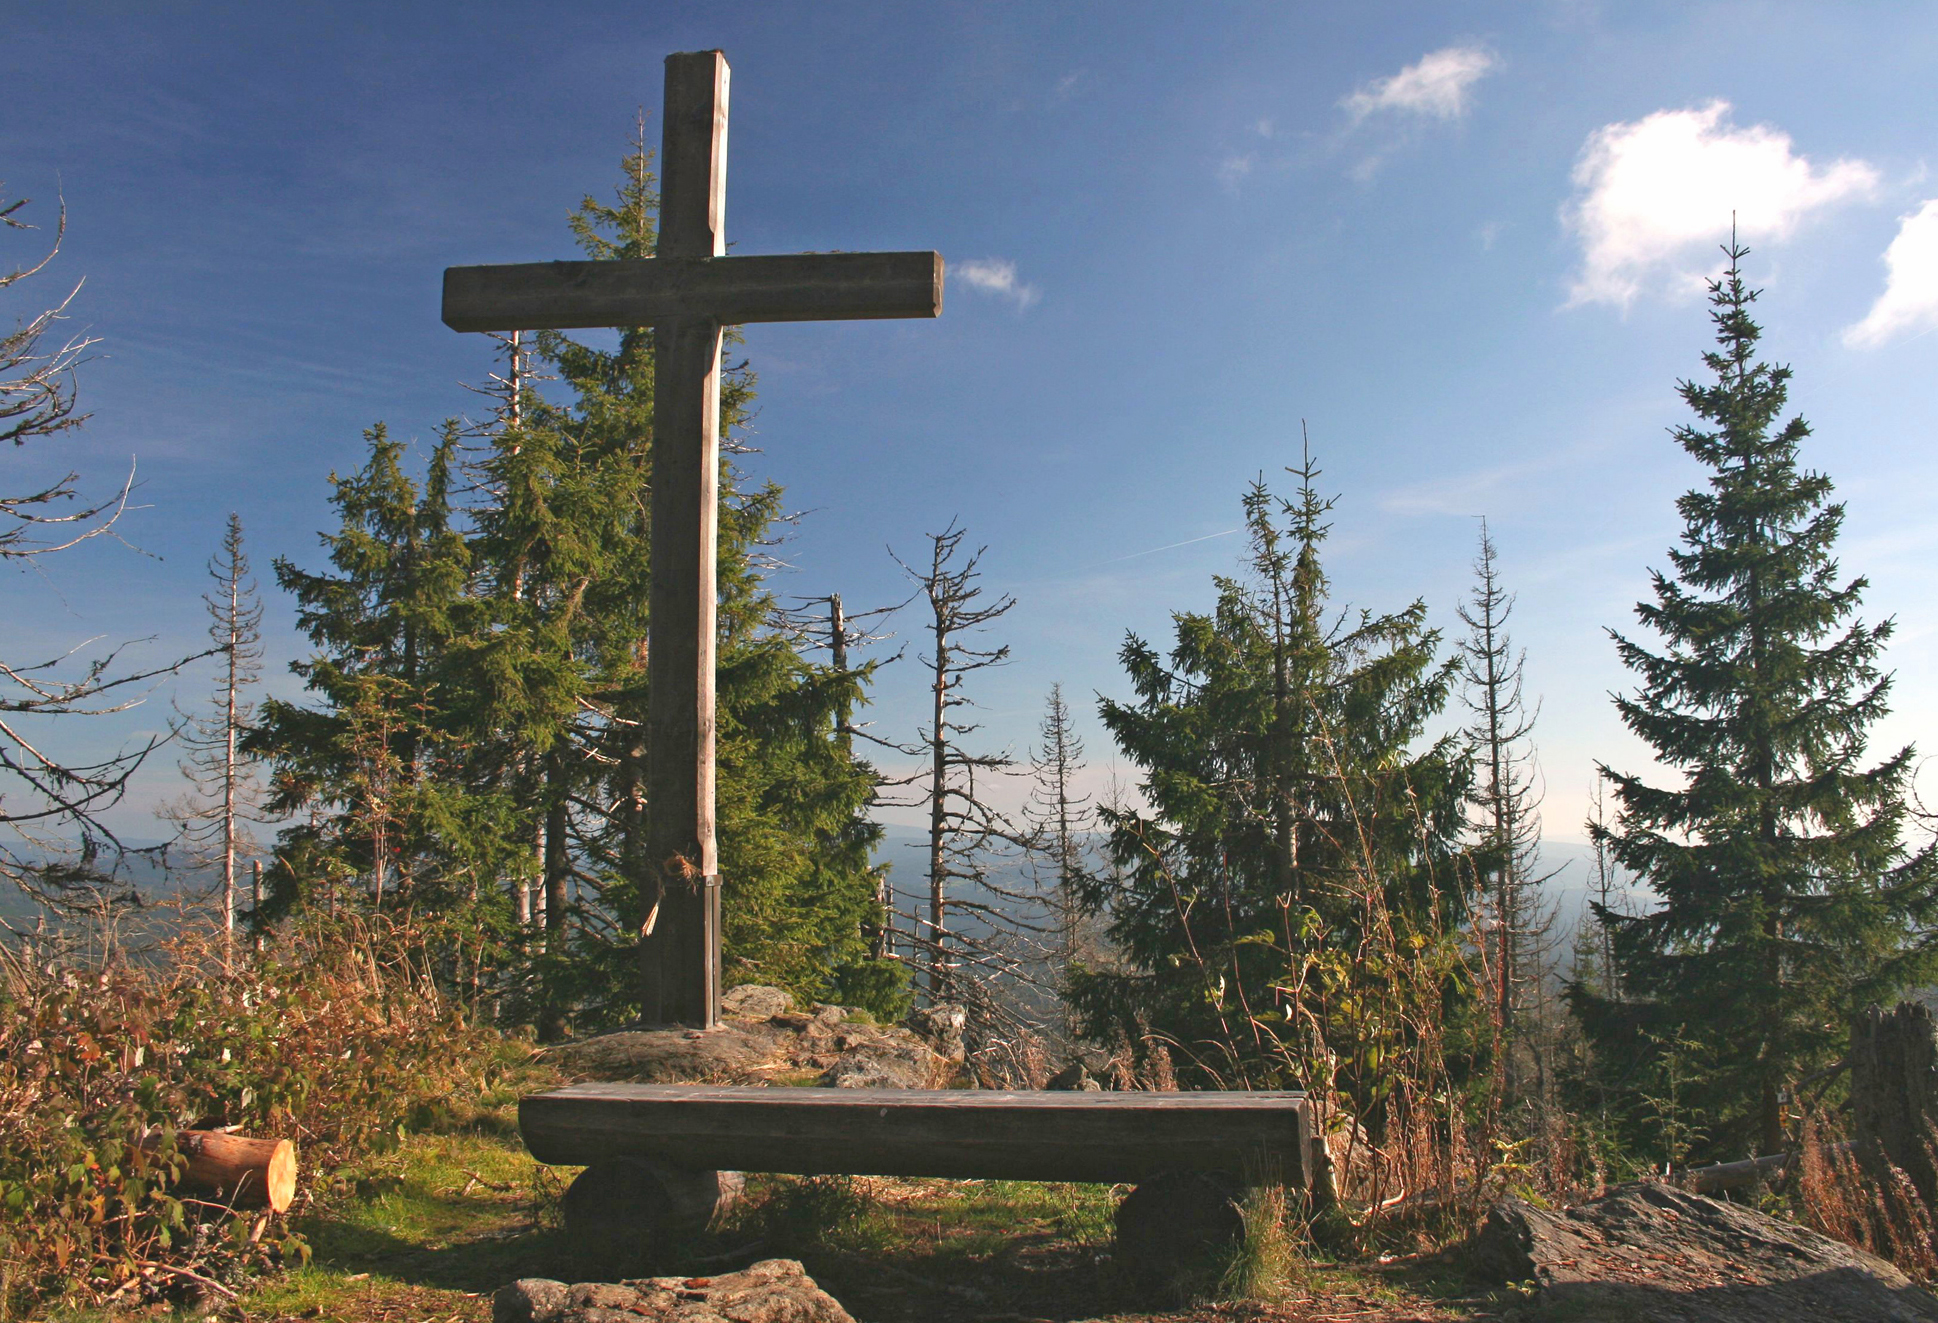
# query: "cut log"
{"points": [[238, 1170], [1723, 1177]]}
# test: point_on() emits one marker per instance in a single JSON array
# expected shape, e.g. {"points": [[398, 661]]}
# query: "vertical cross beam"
{"points": [[681, 955]]}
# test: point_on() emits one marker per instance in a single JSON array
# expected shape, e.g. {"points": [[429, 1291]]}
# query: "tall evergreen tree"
{"points": [[371, 777], [563, 558], [1296, 821], [1787, 898], [479, 690]]}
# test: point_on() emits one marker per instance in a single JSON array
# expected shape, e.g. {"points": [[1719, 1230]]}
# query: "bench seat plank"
{"points": [[961, 1133]]}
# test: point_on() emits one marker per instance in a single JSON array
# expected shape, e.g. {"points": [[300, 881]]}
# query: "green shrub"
{"points": [[334, 1039]]}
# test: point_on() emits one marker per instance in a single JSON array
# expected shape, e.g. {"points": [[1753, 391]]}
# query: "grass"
{"points": [[427, 1231]]}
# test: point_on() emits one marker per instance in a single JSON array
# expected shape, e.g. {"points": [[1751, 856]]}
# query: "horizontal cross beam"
{"points": [[732, 291]]}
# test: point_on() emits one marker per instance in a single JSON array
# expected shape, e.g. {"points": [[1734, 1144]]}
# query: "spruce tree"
{"points": [[562, 553], [1301, 828], [1786, 896], [372, 777]]}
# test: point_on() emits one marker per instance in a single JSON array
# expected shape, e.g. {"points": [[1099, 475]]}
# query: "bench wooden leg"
{"points": [[624, 1201]]}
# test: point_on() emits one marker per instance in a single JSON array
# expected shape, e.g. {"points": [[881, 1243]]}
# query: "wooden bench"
{"points": [[664, 1152]]}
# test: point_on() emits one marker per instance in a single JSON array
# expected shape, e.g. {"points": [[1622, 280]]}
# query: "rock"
{"points": [[1651, 1252], [673, 1055], [1073, 1078], [1176, 1226], [827, 1042], [530, 1300], [621, 1203], [942, 1026], [771, 1291], [902, 1061], [755, 1001]]}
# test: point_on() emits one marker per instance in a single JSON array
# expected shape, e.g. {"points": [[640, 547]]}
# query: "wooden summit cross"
{"points": [[687, 292]]}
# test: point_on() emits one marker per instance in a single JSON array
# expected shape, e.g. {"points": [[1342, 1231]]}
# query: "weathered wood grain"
{"points": [[967, 1133], [680, 956], [789, 287]]}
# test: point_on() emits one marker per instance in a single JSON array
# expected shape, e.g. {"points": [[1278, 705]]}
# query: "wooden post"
{"points": [[681, 954]]}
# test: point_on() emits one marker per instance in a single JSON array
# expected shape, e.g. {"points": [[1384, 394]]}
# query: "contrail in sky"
{"points": [[1169, 546], [1154, 551]]}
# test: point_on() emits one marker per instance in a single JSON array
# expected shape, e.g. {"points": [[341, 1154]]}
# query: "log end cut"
{"points": [[240, 1170]]}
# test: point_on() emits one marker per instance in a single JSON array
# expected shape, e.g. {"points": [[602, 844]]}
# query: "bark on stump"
{"points": [[238, 1170], [1894, 1091], [620, 1205], [1179, 1227]]}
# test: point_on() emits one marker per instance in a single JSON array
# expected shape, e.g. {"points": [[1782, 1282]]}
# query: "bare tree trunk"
{"points": [[229, 771], [558, 871], [938, 815]]}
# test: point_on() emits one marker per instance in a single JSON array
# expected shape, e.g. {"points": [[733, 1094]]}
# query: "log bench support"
{"points": [[666, 1155]]}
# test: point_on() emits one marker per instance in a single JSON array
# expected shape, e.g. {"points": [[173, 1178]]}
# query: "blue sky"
{"points": [[1463, 243]]}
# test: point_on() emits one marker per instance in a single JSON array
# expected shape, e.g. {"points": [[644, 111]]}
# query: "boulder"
{"points": [[771, 1291], [826, 1046], [942, 1026], [735, 1052], [1652, 1252], [896, 1060], [755, 1001]]}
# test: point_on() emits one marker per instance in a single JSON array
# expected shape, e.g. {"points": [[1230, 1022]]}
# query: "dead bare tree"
{"points": [[1061, 822], [1506, 806], [966, 831], [212, 821], [56, 845]]}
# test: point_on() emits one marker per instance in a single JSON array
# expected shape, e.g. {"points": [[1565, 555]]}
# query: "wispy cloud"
{"points": [[1436, 86], [1910, 298], [1469, 493], [996, 275], [1655, 195]]}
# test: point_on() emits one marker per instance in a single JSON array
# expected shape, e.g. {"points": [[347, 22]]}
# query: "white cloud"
{"points": [[1233, 168], [1910, 298], [1435, 86], [996, 275], [1654, 197]]}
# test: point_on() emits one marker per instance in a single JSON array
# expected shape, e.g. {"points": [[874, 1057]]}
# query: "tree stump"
{"points": [[621, 1204], [1894, 1091], [1179, 1227]]}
